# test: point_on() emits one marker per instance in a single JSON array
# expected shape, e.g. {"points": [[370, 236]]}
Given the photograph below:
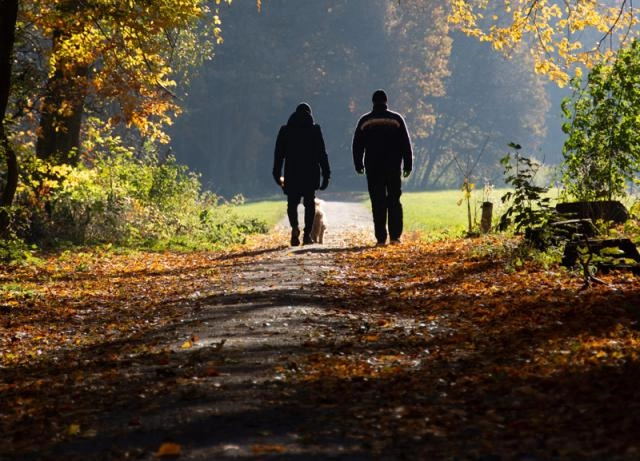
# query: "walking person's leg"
{"points": [[309, 203], [377, 194], [394, 191], [293, 200]]}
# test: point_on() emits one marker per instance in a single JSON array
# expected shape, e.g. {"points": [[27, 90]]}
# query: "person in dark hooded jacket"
{"points": [[382, 148], [300, 147]]}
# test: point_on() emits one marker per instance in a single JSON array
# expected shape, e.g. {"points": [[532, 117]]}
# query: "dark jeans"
{"points": [[384, 192], [308, 200]]}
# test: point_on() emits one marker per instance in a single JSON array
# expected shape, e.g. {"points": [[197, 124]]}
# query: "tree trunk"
{"points": [[8, 18], [59, 133]]}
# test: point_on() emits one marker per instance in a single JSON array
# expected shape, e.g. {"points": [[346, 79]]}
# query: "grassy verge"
{"points": [[434, 212], [444, 213], [269, 211]]}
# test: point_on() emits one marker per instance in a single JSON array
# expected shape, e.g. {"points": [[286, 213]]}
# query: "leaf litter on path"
{"points": [[426, 350]]}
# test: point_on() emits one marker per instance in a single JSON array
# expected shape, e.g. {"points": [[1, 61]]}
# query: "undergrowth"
{"points": [[124, 199]]}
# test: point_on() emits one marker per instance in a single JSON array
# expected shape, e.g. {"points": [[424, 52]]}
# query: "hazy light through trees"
{"points": [[456, 93]]}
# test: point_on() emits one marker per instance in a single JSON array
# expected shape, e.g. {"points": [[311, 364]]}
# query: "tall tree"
{"points": [[8, 19], [422, 43], [459, 98], [121, 56], [489, 102]]}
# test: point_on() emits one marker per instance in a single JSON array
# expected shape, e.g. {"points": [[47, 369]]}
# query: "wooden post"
{"points": [[485, 221]]}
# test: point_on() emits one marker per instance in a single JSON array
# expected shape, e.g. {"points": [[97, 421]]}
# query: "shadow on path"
{"points": [[222, 397]]}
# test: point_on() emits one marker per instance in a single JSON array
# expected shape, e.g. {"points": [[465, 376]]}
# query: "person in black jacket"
{"points": [[382, 148], [300, 147]]}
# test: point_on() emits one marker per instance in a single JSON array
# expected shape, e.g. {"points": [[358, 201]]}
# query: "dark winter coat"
{"points": [[381, 142], [300, 147]]}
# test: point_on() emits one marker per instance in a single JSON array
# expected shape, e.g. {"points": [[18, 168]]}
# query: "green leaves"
{"points": [[528, 208], [602, 151]]}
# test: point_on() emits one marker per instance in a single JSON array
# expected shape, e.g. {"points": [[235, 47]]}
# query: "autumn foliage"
{"points": [[463, 356], [442, 349], [564, 37]]}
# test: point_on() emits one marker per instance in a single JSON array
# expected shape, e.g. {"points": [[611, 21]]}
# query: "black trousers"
{"points": [[308, 200], [384, 192]]}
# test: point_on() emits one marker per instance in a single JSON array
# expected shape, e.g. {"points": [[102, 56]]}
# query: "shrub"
{"points": [[528, 211], [129, 201]]}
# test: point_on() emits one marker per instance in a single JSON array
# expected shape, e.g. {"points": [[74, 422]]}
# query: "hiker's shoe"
{"points": [[295, 237], [395, 241], [307, 240], [381, 243]]}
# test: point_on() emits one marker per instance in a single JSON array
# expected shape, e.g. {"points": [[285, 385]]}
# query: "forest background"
{"points": [[463, 102]]}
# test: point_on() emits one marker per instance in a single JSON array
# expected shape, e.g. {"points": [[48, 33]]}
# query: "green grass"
{"points": [[270, 211], [445, 212], [438, 212], [435, 212]]}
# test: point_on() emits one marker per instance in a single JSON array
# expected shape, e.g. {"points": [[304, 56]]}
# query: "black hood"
{"points": [[302, 116]]}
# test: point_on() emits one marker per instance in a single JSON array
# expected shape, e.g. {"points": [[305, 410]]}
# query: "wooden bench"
{"points": [[626, 250], [583, 239], [607, 210]]}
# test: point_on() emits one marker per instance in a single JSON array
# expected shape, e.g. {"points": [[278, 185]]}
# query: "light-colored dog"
{"points": [[319, 222]]}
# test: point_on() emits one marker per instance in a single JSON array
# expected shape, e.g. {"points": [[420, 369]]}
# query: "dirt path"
{"points": [[346, 220], [244, 333]]}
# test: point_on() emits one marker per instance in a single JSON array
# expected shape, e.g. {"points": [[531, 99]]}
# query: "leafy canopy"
{"points": [[564, 36], [134, 52]]}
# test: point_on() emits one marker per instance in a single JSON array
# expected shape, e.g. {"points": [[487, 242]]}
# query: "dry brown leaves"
{"points": [[447, 355], [78, 331], [82, 299], [454, 355]]}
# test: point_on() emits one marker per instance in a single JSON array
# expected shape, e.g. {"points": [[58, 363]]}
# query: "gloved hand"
{"points": [[360, 170], [325, 183], [278, 179], [406, 173]]}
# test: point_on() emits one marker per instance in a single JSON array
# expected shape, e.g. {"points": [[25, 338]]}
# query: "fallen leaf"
{"points": [[262, 449], [168, 450], [73, 429]]}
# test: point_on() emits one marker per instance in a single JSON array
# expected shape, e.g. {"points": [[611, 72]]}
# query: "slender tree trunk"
{"points": [[8, 18], [59, 133], [444, 170]]}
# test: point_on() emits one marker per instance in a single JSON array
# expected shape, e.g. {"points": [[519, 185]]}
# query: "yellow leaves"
{"points": [[169, 450], [462, 14], [217, 31], [130, 48], [73, 429], [553, 71], [554, 31]]}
